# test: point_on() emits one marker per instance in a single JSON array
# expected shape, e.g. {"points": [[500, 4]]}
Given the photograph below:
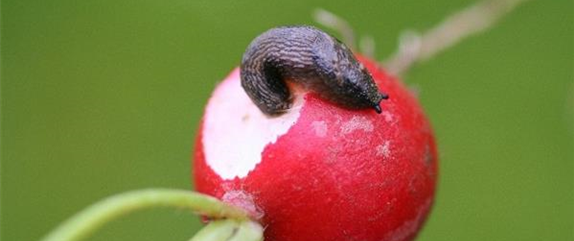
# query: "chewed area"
{"points": [[235, 131]]}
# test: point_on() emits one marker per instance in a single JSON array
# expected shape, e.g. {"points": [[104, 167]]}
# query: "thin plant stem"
{"points": [[230, 230], [248, 231], [90, 219], [414, 47], [219, 230], [336, 23], [367, 46]]}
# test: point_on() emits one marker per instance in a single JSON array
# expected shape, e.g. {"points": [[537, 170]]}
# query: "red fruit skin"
{"points": [[350, 184]]}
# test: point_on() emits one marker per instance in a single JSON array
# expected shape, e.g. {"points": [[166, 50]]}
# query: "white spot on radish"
{"points": [[320, 128], [244, 201], [384, 149], [357, 123], [388, 116], [235, 131]]}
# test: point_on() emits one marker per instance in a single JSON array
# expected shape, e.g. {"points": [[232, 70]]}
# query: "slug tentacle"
{"points": [[308, 57]]}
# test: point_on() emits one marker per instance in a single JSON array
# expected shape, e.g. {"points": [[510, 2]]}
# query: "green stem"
{"points": [[230, 230], [219, 230], [248, 231], [90, 219]]}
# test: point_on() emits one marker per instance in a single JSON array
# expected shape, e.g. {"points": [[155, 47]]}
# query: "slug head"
{"points": [[356, 88], [370, 91]]}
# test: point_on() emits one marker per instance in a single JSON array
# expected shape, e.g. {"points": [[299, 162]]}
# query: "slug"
{"points": [[311, 58]]}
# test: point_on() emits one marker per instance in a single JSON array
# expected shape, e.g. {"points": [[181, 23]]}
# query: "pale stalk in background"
{"points": [[414, 47], [331, 20], [472, 20]]}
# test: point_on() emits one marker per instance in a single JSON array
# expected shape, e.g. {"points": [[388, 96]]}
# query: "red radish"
{"points": [[320, 172]]}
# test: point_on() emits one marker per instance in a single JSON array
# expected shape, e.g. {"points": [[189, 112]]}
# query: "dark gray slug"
{"points": [[311, 58]]}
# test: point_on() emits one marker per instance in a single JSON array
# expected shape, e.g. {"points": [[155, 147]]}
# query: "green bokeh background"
{"points": [[100, 97]]}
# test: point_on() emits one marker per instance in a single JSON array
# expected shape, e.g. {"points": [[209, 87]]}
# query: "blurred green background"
{"points": [[100, 97]]}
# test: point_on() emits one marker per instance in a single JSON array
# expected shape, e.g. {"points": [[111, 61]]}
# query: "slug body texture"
{"points": [[308, 57]]}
